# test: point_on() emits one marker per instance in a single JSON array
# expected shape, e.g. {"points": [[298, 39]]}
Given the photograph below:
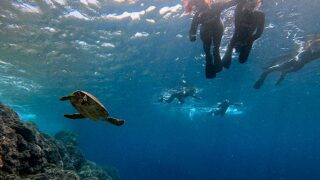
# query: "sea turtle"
{"points": [[90, 107]]}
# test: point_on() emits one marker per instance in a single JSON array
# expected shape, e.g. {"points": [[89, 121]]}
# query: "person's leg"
{"points": [[263, 76], [292, 66], [171, 98], [282, 76], [261, 80], [217, 36], [181, 100], [209, 69], [206, 48], [244, 52], [226, 60]]}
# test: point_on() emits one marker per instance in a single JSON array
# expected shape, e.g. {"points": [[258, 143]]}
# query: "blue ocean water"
{"points": [[127, 53]]}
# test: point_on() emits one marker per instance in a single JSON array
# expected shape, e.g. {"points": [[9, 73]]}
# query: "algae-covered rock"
{"points": [[26, 153]]}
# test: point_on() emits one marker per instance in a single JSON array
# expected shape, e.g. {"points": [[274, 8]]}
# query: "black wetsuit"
{"points": [[249, 26], [211, 31], [310, 53], [221, 109]]}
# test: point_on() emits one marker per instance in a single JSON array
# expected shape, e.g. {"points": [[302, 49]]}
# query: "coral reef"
{"points": [[26, 153]]}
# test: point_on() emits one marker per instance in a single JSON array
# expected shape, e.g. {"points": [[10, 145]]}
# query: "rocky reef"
{"points": [[26, 153]]}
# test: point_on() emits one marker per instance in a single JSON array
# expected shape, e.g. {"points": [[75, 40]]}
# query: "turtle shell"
{"points": [[88, 105]]}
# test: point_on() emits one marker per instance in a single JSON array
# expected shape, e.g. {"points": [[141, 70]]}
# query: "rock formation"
{"points": [[26, 153]]}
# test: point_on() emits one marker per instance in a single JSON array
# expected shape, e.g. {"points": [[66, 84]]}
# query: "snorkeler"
{"points": [[309, 53], [207, 14], [249, 26], [222, 107], [180, 95]]}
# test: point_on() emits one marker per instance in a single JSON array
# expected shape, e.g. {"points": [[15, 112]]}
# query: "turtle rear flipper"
{"points": [[74, 116], [117, 122]]}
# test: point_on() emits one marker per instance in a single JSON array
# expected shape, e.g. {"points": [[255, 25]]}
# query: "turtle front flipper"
{"points": [[74, 116], [64, 98], [117, 122]]}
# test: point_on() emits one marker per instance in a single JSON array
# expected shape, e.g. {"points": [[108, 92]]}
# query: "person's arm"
{"points": [[237, 104], [196, 97], [260, 25], [194, 26]]}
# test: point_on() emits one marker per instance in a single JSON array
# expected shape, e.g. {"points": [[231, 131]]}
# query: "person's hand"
{"points": [[192, 37]]}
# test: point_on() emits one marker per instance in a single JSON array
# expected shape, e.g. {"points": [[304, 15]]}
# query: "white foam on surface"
{"points": [[140, 35], [77, 15], [172, 9], [27, 8], [108, 45], [90, 2]]}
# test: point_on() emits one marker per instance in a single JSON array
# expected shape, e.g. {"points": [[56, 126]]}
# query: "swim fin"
{"points": [[218, 66], [260, 81], [226, 60], [210, 71]]}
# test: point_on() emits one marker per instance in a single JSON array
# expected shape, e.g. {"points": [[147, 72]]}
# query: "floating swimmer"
{"points": [[222, 107], [249, 26], [207, 14], [309, 53], [90, 107], [180, 95]]}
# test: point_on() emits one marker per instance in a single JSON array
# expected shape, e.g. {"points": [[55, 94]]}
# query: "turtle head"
{"points": [[72, 96]]}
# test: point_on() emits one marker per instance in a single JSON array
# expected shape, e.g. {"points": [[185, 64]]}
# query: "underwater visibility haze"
{"points": [[128, 53]]}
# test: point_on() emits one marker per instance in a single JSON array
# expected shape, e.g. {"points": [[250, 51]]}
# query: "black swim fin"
{"points": [[260, 81], [210, 71], [218, 66], [226, 60]]}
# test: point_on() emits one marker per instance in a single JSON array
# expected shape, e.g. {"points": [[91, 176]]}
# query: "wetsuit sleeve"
{"points": [[260, 25], [194, 24]]}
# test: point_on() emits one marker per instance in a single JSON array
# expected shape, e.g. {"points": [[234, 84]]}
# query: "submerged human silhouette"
{"points": [[222, 107], [309, 53], [208, 16], [249, 26], [180, 94]]}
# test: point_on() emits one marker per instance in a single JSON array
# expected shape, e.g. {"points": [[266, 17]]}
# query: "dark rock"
{"points": [[26, 153]]}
